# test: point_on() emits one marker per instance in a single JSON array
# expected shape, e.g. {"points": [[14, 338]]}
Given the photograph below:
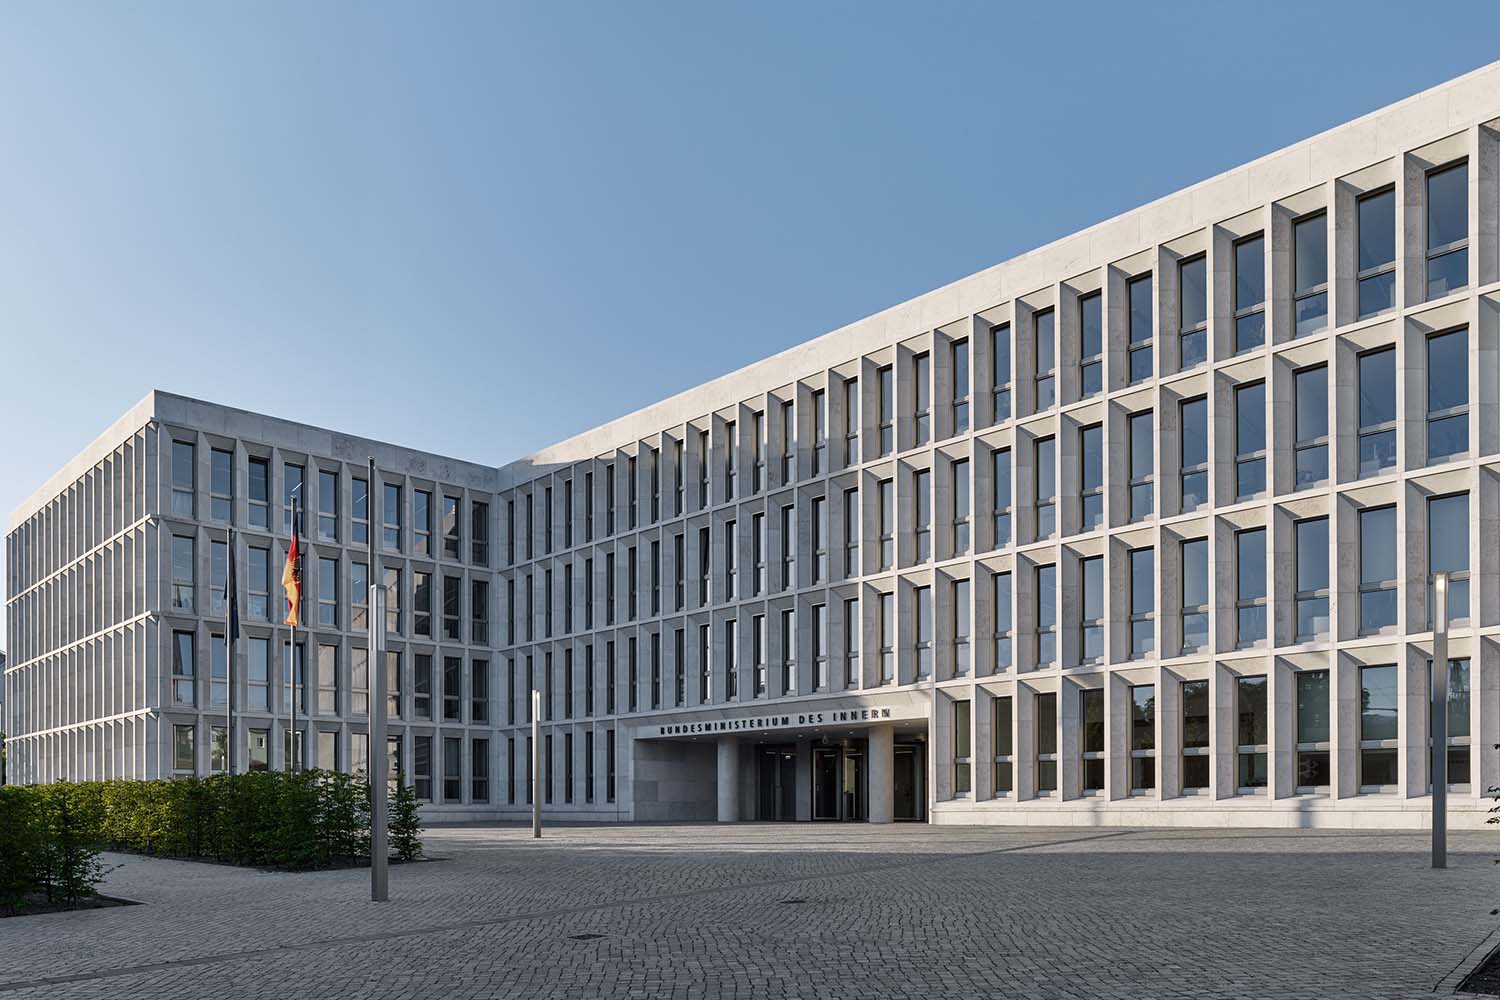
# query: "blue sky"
{"points": [[478, 229]]}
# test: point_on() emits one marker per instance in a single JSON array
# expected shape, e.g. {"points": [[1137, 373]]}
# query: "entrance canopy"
{"points": [[804, 718]]}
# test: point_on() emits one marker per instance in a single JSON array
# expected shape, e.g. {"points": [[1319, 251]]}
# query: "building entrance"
{"points": [[907, 782], [839, 783], [776, 781]]}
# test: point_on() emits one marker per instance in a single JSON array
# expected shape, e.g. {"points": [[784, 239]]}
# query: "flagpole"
{"points": [[230, 630], [296, 613], [379, 851]]}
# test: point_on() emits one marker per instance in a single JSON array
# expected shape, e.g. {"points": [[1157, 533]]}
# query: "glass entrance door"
{"points": [[907, 782], [825, 783], [777, 798], [838, 783]]}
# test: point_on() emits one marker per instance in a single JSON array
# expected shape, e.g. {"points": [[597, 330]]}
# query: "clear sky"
{"points": [[477, 229]]}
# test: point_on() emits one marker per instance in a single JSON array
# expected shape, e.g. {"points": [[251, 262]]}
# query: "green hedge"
{"points": [[50, 835]]}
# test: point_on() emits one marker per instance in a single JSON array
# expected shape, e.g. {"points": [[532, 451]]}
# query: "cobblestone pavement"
{"points": [[798, 911]]}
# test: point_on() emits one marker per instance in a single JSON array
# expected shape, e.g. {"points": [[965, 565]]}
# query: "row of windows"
{"points": [[1039, 736], [444, 786]]}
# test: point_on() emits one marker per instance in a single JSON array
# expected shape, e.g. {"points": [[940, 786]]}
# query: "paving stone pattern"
{"points": [[763, 911]]}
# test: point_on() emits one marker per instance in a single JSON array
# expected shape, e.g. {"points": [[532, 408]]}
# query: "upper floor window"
{"points": [[1249, 293], [1312, 578], [960, 386], [961, 507], [221, 485], [392, 513], [1142, 328], [1250, 440], [1377, 570], [184, 476], [729, 460], [184, 560], [1142, 601], [1194, 458], [1046, 487], [1090, 477], [851, 533], [851, 422], [291, 489], [1377, 252], [1090, 345], [1192, 312], [1447, 395], [1046, 616], [1142, 465], [1044, 332], [758, 452], [1448, 552], [922, 597], [1447, 229], [887, 405], [421, 521], [1250, 587], [328, 505], [1000, 369], [479, 531], [1000, 459], [1003, 620], [962, 628], [1377, 411], [1310, 272], [1312, 426], [1194, 594], [820, 433], [259, 498], [886, 497], [922, 404], [1091, 614], [922, 501]]}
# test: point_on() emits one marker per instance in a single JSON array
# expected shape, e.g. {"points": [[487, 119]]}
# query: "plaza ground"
{"points": [[789, 911]]}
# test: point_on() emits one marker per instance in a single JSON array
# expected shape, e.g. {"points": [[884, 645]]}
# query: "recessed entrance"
{"points": [[839, 782], [776, 781], [909, 797]]}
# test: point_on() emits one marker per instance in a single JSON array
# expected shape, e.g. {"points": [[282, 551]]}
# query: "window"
{"points": [[479, 612], [962, 628], [1090, 345], [359, 597], [184, 669], [730, 546], [887, 638], [1312, 426], [258, 583], [258, 674], [421, 767], [922, 501], [1044, 333], [757, 451], [1142, 738], [422, 604], [820, 647], [1046, 487], [962, 750], [1000, 369], [1377, 411], [705, 664], [1377, 252], [632, 581], [922, 598], [703, 469], [632, 675], [1447, 395], [1194, 595], [1000, 459], [1448, 552], [1195, 737], [391, 509], [705, 559], [452, 610], [218, 577], [479, 770], [184, 749], [393, 684], [1377, 570], [788, 652], [655, 675], [1313, 746], [259, 497], [328, 592], [1142, 326], [1459, 738], [1000, 583], [1310, 273], [887, 410], [1005, 746], [1250, 590], [392, 600], [851, 422], [1249, 293], [1142, 601], [758, 553], [851, 533], [1447, 230], [1192, 312], [1046, 744], [184, 564], [819, 539], [653, 459], [1252, 733], [421, 521], [1379, 728], [887, 498], [962, 505], [1091, 614], [359, 680], [922, 397], [731, 660], [1194, 459], [1091, 716], [218, 751], [259, 750], [960, 386], [820, 434], [788, 546], [328, 506], [328, 680], [184, 477], [1090, 477], [788, 442], [1312, 579], [851, 643], [221, 485], [1249, 440], [655, 586], [1142, 465], [679, 578], [729, 460], [479, 530], [421, 686], [1046, 616]]}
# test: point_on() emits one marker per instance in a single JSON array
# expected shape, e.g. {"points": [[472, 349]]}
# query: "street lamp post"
{"points": [[1440, 722]]}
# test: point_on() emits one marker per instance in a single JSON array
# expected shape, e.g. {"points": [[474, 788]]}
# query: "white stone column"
{"points": [[729, 778], [882, 794]]}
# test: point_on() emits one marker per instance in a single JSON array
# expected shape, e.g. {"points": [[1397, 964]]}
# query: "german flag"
{"points": [[291, 580]]}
